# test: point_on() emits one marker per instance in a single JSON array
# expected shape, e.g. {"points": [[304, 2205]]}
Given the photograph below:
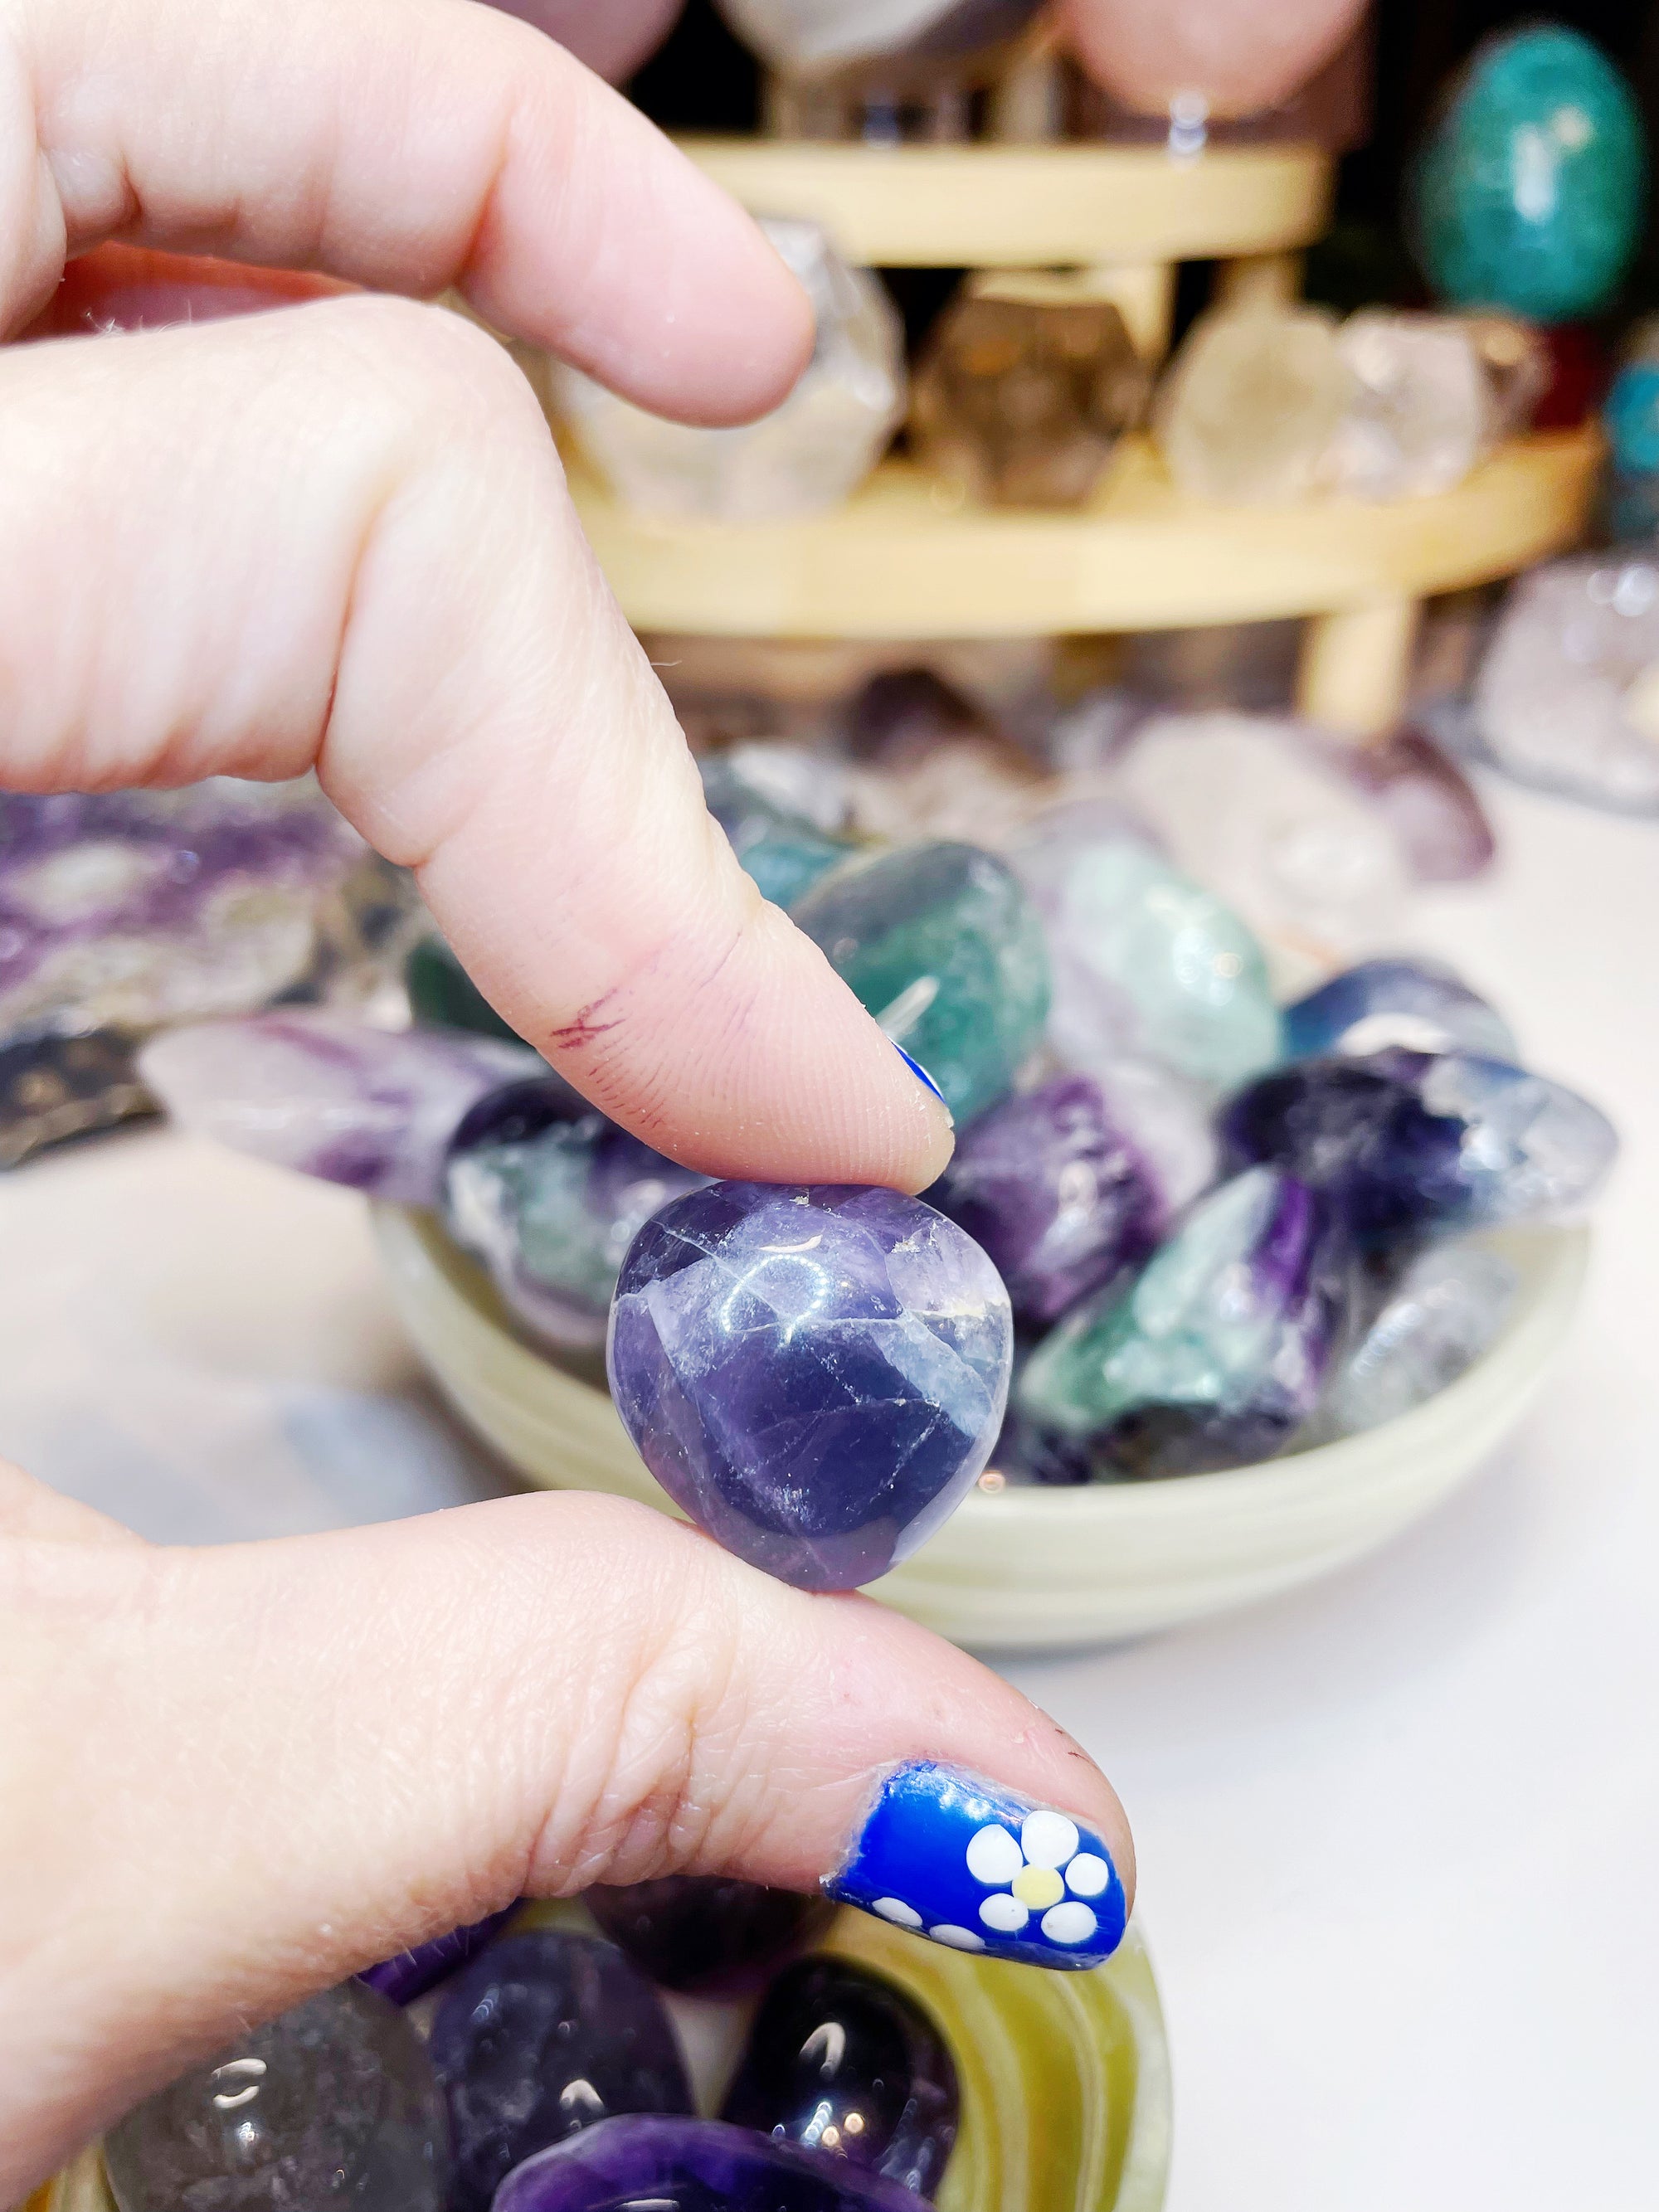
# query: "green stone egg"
{"points": [[941, 944], [1529, 192]]}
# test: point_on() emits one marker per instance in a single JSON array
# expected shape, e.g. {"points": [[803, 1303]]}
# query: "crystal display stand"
{"points": [[908, 558]]}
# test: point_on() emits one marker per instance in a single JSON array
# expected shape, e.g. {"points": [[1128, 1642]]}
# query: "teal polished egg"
{"points": [[1529, 192]]}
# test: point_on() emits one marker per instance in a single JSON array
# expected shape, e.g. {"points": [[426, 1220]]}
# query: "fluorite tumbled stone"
{"points": [[1057, 1192], [1445, 1310], [1528, 191], [706, 1932], [840, 2061], [1415, 1003], [411, 1974], [1146, 962], [943, 946], [332, 2103], [1405, 1142], [816, 1374], [372, 1108], [1216, 1355], [544, 2034], [783, 853], [549, 1195], [692, 2166]]}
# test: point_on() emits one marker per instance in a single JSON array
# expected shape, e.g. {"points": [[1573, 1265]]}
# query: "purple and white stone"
{"points": [[372, 1108], [692, 2166], [814, 1373], [1415, 1003]]}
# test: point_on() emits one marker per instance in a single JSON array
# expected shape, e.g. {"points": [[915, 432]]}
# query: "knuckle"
{"points": [[443, 380]]}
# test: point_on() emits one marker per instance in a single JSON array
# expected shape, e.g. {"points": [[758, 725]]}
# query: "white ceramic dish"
{"points": [[1023, 1568]]}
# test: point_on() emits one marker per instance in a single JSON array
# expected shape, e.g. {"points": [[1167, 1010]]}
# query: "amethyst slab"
{"points": [[691, 2166], [816, 1374]]}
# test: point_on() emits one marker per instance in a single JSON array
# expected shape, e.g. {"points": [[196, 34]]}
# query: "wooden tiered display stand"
{"points": [[906, 557]]}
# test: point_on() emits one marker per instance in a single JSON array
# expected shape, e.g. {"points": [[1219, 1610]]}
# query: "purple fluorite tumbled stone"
{"points": [[1405, 1142], [816, 1374], [411, 1974], [1060, 1197], [707, 1933], [544, 2034], [692, 2166]]}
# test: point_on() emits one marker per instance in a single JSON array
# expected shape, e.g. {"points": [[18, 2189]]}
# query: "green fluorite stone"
{"points": [[943, 946], [1530, 189], [443, 996]]}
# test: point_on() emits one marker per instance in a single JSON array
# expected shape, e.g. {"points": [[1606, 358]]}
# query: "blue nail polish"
{"points": [[921, 1074], [968, 1864]]}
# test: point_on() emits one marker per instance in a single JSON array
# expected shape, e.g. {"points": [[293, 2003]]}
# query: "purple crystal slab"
{"points": [[1059, 1195], [816, 1374], [1216, 1354], [411, 1974], [544, 2035], [692, 2166], [707, 1933], [372, 1108], [840, 2061], [1405, 1142]]}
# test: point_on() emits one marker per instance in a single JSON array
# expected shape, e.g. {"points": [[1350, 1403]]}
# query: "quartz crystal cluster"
{"points": [[808, 454], [537, 2065]]}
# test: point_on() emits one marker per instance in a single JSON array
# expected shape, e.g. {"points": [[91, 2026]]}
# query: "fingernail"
{"points": [[922, 1075], [979, 1868]]}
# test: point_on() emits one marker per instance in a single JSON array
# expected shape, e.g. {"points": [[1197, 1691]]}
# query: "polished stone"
{"points": [[1443, 1313], [1404, 1142], [1060, 1195], [1248, 410], [1568, 697], [841, 2062], [1415, 1003], [542, 2036], [1435, 810], [943, 946], [1266, 816], [1020, 400], [816, 38], [613, 39], [1147, 963], [372, 1108], [1529, 192], [61, 1079], [549, 1195], [334, 2104], [132, 910], [783, 853], [708, 1934], [442, 995], [1216, 1355], [808, 454], [411, 1974], [1433, 395], [1205, 57], [815, 1374], [692, 2166]]}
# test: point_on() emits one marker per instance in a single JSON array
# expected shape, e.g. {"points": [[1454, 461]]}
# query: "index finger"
{"points": [[408, 145]]}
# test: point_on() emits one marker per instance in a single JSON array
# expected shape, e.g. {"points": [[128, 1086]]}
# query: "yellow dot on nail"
{"points": [[1038, 1886]]}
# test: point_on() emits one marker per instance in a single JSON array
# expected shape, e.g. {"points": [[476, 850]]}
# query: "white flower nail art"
{"points": [[1041, 1870]]}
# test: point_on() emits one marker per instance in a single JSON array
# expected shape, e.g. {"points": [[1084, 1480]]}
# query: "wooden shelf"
{"points": [[903, 559], [1024, 207]]}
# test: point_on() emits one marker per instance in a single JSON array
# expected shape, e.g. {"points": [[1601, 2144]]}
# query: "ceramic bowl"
{"points": [[1064, 2078], [1021, 1568]]}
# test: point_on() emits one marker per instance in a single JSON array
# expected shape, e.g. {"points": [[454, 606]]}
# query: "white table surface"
{"points": [[1398, 1835]]}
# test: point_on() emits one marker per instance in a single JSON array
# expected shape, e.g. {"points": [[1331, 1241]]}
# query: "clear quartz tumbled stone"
{"points": [[333, 2104], [1251, 402], [1025, 392], [808, 454], [824, 37], [1433, 394], [1568, 695]]}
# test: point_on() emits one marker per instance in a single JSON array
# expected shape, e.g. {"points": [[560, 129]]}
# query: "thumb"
{"points": [[230, 1777]]}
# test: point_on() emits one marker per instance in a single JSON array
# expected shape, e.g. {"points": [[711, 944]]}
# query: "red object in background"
{"points": [[1580, 370], [129, 288], [612, 36]]}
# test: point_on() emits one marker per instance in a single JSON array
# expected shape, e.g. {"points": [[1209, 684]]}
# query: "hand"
{"points": [[335, 533]]}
